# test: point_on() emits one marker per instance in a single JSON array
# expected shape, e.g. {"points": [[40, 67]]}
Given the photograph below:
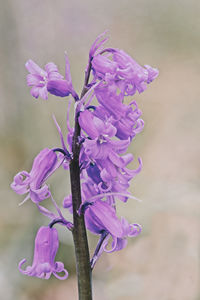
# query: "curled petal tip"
{"points": [[66, 274], [20, 266], [135, 230]]}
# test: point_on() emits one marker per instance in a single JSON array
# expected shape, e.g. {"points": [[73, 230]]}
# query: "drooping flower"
{"points": [[99, 146], [101, 217], [118, 179], [44, 165], [118, 243], [94, 126], [131, 124], [46, 246], [123, 71], [111, 101]]}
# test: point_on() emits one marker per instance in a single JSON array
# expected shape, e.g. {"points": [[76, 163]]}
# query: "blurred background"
{"points": [[163, 262]]}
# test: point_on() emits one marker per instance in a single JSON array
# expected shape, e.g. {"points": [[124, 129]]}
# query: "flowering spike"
{"points": [[97, 159]]}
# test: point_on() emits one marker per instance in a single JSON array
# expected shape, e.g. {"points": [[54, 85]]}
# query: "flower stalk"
{"points": [[94, 153], [83, 268]]}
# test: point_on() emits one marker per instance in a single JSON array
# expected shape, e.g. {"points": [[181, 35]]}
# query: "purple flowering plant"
{"points": [[95, 155]]}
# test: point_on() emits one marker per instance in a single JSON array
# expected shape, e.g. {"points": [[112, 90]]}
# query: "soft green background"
{"points": [[163, 263]]}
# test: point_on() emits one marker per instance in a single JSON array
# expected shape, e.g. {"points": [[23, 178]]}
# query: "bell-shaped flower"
{"points": [[127, 74], [117, 176], [99, 145], [105, 153], [46, 247], [100, 217], [118, 243], [111, 102], [95, 127], [49, 80], [38, 78], [103, 65], [44, 165], [58, 88], [133, 73], [62, 87], [131, 124]]}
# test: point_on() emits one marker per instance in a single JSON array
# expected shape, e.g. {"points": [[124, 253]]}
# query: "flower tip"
{"points": [[61, 277], [27, 64], [20, 265], [152, 73], [106, 31]]}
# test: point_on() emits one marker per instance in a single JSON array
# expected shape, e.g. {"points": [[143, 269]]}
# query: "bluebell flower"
{"points": [[46, 247]]}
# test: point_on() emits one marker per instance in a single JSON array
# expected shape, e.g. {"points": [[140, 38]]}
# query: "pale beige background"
{"points": [[163, 263]]}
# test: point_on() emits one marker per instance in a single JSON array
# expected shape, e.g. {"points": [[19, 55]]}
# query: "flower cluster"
{"points": [[107, 126]]}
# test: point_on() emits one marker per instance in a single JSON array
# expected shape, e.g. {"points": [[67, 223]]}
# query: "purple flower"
{"points": [[60, 87], [95, 127], [49, 80], [125, 119], [32, 183], [131, 124], [110, 101], [46, 246], [123, 70], [106, 177], [118, 243], [105, 152], [102, 65], [118, 179], [38, 78], [100, 146], [101, 217]]}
